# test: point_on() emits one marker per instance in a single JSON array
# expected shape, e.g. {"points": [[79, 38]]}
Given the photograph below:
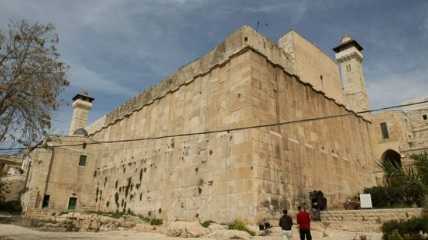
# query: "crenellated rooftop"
{"points": [[241, 40]]}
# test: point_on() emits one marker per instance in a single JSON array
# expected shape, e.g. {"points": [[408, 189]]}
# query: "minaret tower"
{"points": [[350, 59], [82, 104]]}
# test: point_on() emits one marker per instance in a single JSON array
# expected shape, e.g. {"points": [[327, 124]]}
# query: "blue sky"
{"points": [[116, 48]]}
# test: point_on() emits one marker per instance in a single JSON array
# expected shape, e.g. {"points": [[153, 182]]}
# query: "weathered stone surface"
{"points": [[12, 187], [145, 227], [229, 234], [87, 222], [186, 229], [215, 226], [17, 232]]}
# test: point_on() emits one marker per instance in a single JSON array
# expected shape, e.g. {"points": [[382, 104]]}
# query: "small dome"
{"points": [[346, 38], [81, 132]]}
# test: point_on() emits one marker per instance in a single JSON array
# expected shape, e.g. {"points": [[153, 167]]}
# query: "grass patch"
{"points": [[240, 226]]}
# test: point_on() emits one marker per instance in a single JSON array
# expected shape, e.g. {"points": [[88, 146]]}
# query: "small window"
{"points": [[424, 117], [384, 129], [348, 67], [82, 160], [72, 203], [45, 203], [322, 81]]}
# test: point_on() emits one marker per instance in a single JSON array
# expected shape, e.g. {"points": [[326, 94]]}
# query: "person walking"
{"points": [[286, 222], [304, 221]]}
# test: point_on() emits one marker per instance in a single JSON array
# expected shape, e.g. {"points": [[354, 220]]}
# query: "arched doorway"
{"points": [[392, 157]]}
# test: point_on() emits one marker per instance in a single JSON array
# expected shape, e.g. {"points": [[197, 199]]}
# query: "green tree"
{"points": [[402, 186], [421, 165], [32, 76]]}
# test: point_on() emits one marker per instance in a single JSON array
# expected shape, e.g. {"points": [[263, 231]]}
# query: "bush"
{"points": [[156, 221], [240, 226], [402, 187], [407, 194], [395, 235], [407, 230], [11, 207], [379, 195], [421, 165], [207, 223]]}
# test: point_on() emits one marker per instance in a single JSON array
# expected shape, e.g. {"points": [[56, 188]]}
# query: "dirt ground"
{"points": [[14, 232]]}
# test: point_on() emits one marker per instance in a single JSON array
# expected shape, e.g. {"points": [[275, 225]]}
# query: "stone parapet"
{"points": [[236, 43]]}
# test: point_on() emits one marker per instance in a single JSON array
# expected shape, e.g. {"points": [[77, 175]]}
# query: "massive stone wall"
{"points": [[247, 174], [333, 155], [183, 177], [212, 172]]}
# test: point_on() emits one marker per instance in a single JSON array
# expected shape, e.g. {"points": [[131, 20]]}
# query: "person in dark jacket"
{"points": [[286, 223], [304, 221]]}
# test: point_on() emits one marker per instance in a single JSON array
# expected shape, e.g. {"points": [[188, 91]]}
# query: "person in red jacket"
{"points": [[304, 221]]}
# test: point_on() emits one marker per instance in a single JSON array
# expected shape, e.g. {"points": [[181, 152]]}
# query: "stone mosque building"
{"points": [[243, 132]]}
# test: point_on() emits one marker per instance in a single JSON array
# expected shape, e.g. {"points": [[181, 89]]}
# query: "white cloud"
{"points": [[149, 32], [395, 88], [84, 78]]}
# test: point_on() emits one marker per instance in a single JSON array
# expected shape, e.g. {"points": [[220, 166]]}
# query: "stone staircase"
{"points": [[370, 216]]}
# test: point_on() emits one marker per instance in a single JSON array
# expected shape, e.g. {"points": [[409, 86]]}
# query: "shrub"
{"points": [[412, 193], [407, 230], [379, 195], [156, 221], [395, 235], [403, 190], [421, 165], [240, 226], [116, 214], [207, 223]]}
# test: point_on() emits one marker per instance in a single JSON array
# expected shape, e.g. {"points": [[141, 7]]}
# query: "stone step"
{"points": [[370, 215]]}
